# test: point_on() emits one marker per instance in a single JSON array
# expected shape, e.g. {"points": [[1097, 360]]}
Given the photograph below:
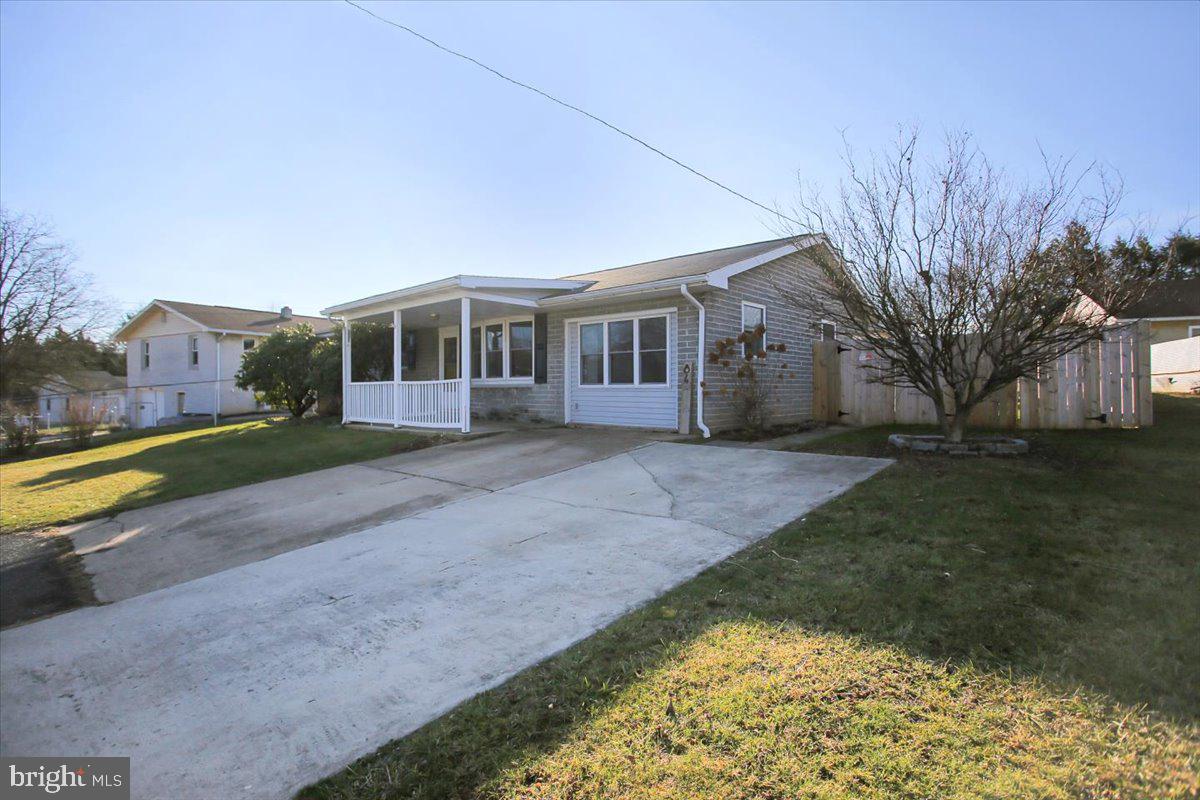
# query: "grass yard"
{"points": [[130, 471], [1004, 628]]}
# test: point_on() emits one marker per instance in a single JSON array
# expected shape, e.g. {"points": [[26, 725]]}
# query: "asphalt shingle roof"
{"points": [[1167, 299], [243, 319], [676, 266]]}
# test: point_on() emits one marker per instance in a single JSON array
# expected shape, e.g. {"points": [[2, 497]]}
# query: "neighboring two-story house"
{"points": [[182, 358]]}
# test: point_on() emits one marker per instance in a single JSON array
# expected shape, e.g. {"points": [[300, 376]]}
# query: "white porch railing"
{"points": [[424, 404], [370, 402]]}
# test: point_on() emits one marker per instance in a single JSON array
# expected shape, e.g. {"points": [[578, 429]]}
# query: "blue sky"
{"points": [[266, 154]]}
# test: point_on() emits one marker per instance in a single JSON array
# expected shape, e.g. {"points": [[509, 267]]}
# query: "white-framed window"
{"points": [[828, 330], [623, 352], [501, 351], [193, 351], [248, 344], [47, 404], [145, 354], [753, 315]]}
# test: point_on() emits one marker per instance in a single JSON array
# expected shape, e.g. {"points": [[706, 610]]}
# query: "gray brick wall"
{"points": [[785, 323], [545, 401]]}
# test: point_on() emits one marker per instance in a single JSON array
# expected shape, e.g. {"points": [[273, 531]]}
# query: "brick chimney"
{"points": [[285, 312]]}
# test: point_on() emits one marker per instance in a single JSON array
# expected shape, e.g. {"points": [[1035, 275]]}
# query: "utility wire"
{"points": [[574, 108]]}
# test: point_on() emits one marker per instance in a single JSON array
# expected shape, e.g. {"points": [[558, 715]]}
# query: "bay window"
{"points": [[501, 350], [520, 349], [623, 352], [493, 338], [620, 351], [591, 354]]}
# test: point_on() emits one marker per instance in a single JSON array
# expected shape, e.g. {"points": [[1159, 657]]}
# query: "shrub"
{"points": [[82, 421], [20, 432], [755, 379]]}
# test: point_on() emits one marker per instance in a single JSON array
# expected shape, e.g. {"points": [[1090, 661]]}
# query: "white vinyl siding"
{"points": [[645, 405]]}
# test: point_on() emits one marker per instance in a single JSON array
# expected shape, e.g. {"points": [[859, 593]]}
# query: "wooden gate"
{"points": [[1103, 384]]}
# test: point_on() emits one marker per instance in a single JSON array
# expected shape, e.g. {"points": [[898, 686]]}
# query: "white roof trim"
{"points": [[1158, 319], [120, 334], [720, 277], [458, 282], [617, 291]]}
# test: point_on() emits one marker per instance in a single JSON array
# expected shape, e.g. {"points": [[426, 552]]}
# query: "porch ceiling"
{"points": [[447, 312]]}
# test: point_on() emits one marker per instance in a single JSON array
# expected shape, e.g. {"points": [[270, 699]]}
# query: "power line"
{"points": [[574, 108]]}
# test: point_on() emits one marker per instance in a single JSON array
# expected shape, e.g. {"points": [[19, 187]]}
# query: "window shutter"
{"points": [[539, 348]]}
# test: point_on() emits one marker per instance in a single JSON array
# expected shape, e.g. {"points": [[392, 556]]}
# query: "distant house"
{"points": [[1172, 309], [182, 358], [102, 392]]}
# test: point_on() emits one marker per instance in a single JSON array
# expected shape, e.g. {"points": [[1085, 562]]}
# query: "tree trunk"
{"points": [[957, 424]]}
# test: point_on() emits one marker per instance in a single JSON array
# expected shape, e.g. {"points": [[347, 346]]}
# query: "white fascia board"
{"points": [[1158, 319], [549, 284], [720, 277], [399, 294], [620, 291], [119, 336], [457, 282], [524, 302]]}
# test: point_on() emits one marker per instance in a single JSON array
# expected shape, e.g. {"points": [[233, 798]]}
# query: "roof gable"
{"points": [[224, 319]]}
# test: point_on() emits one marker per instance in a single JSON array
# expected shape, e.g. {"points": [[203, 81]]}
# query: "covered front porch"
{"points": [[403, 363]]}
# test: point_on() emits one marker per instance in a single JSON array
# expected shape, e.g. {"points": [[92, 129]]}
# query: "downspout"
{"points": [[699, 362], [217, 385]]}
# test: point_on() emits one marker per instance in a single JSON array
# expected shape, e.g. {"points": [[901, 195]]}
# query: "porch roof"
{"points": [[711, 267]]}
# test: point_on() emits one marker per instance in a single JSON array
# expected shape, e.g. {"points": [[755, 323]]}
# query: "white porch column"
{"points": [[397, 363], [345, 368], [464, 365]]}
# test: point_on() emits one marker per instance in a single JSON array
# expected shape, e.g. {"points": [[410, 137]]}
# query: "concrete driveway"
{"points": [[151, 548], [258, 679]]}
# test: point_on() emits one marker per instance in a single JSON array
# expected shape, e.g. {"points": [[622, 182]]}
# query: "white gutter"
{"points": [[699, 362], [217, 385]]}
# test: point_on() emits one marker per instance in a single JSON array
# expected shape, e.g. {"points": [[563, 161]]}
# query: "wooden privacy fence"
{"points": [[1105, 384]]}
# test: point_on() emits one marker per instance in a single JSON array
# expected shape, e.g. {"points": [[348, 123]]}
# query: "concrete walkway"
{"points": [[256, 680]]}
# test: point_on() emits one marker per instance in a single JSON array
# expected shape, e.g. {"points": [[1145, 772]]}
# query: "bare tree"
{"points": [[40, 293], [960, 277]]}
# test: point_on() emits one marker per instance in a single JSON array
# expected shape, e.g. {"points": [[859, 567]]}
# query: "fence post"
{"points": [[1145, 392], [1091, 386]]}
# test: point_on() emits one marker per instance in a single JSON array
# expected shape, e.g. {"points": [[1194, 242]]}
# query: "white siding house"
{"points": [[181, 358]]}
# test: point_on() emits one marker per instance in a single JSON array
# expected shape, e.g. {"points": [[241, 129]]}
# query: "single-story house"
{"points": [[1172, 309], [182, 358], [624, 346], [101, 391]]}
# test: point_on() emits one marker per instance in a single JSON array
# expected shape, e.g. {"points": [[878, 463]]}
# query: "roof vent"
{"points": [[285, 312]]}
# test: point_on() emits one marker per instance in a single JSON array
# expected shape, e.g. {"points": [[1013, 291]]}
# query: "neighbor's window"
{"points": [[591, 354], [520, 349], [828, 330], [47, 403], [476, 356], [652, 350], [145, 354], [194, 351], [754, 315], [620, 351], [493, 337], [247, 344]]}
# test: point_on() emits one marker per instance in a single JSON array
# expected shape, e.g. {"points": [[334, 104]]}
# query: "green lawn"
{"points": [[142, 468], [1025, 627]]}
